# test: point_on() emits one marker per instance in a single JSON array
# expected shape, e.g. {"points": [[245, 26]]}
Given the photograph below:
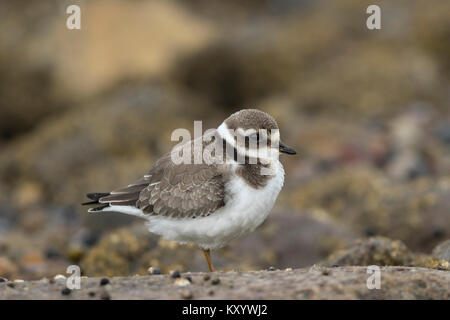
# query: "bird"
{"points": [[209, 202]]}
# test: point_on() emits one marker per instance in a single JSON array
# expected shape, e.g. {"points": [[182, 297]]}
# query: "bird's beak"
{"points": [[285, 149]]}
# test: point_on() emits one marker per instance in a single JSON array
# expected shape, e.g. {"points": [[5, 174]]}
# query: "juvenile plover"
{"points": [[212, 202]]}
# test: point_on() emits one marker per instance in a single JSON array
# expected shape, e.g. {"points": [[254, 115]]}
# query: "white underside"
{"points": [[245, 209]]}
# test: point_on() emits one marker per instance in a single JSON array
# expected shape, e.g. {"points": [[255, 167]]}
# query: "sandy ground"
{"points": [[307, 283]]}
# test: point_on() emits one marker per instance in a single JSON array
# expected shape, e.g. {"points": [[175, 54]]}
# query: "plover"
{"points": [[212, 202]]}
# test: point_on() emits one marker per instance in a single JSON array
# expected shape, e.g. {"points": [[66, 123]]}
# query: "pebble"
{"points": [[19, 281], [175, 274], [186, 294], [11, 284], [288, 269], [105, 295], [325, 272], [104, 281], [66, 291], [59, 277], [154, 270], [91, 293], [206, 277], [271, 269], [215, 281], [182, 282], [335, 266], [211, 292]]}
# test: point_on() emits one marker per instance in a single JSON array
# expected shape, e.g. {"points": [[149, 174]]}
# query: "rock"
{"points": [[175, 274], [7, 268], [374, 251], [442, 251], [182, 282], [59, 277], [66, 291], [186, 294], [415, 212], [104, 281], [382, 251], [154, 270], [342, 283], [114, 252], [104, 295]]}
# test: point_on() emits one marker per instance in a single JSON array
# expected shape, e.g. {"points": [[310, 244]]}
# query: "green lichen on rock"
{"points": [[442, 251], [415, 212], [382, 251], [117, 252]]}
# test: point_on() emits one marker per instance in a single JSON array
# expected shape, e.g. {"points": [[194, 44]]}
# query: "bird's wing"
{"points": [[178, 191]]}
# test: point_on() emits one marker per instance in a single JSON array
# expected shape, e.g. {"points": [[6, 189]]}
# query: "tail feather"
{"points": [[99, 208], [95, 197]]}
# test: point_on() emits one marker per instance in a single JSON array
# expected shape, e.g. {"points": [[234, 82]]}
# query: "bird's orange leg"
{"points": [[207, 254]]}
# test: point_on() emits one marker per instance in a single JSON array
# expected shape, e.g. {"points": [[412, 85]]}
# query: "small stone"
{"points": [[105, 295], [271, 269], [181, 282], [175, 274], [104, 281], [288, 269], [211, 292], [442, 251], [11, 284], [335, 266], [325, 272], [206, 277], [154, 270], [19, 281], [186, 294], [59, 277], [215, 281], [91, 293], [66, 291]]}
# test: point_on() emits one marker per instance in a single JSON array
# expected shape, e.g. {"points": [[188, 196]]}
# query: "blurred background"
{"points": [[91, 110]]}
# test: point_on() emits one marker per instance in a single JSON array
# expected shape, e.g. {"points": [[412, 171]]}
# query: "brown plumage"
{"points": [[177, 191]]}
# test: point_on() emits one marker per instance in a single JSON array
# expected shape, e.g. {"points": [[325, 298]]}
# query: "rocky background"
{"points": [[91, 110]]}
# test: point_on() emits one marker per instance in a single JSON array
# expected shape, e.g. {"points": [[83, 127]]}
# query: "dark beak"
{"points": [[285, 149]]}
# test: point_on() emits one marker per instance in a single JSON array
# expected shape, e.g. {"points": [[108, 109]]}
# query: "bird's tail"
{"points": [[95, 197]]}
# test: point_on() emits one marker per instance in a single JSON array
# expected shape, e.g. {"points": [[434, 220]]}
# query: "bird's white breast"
{"points": [[245, 209]]}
